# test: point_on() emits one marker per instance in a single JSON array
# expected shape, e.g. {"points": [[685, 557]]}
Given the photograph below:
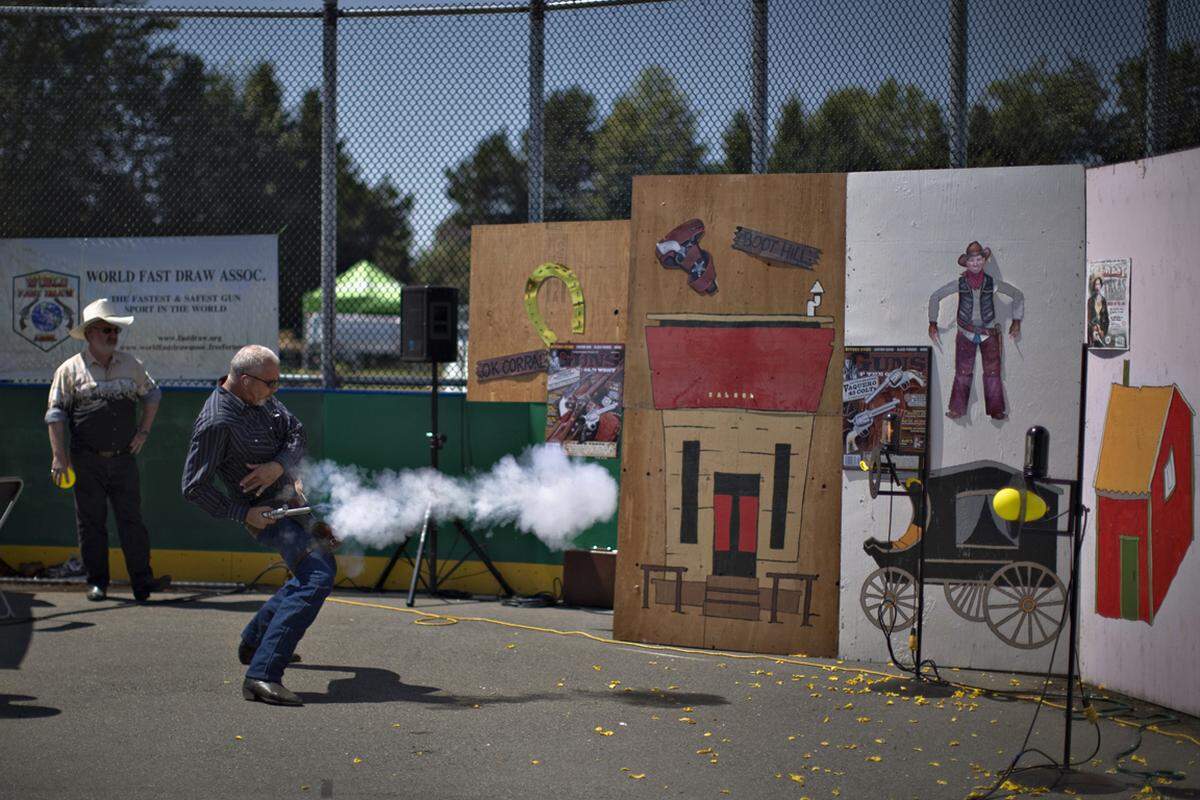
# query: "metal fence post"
{"points": [[958, 83], [537, 102], [329, 133], [1156, 74], [758, 109]]}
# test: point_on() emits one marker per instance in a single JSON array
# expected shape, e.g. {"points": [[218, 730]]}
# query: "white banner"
{"points": [[195, 300]]}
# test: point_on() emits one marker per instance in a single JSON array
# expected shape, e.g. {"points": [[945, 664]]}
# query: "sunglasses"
{"points": [[106, 329], [273, 384]]}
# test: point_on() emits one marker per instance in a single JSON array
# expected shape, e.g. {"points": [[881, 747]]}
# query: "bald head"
{"points": [[251, 360]]}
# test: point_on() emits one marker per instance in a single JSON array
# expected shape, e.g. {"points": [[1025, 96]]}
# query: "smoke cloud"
{"points": [[542, 492]]}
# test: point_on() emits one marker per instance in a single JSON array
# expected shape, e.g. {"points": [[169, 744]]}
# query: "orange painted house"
{"points": [[1144, 499]]}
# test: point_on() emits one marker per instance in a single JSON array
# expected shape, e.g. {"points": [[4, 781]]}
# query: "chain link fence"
{"points": [[121, 121]]}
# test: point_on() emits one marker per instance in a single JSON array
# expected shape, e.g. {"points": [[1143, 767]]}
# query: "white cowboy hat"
{"points": [[102, 309]]}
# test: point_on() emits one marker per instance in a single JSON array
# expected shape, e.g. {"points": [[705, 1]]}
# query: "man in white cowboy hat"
{"points": [[95, 394]]}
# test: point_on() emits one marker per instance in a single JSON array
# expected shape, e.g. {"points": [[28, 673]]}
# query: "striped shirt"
{"points": [[228, 435]]}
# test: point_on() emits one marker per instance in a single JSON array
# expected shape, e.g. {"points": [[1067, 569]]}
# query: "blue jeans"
{"points": [[279, 625]]}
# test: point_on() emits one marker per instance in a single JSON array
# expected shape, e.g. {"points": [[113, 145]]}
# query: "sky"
{"points": [[415, 94]]}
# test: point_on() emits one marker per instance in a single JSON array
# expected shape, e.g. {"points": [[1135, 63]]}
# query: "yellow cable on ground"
{"points": [[584, 634], [438, 620]]}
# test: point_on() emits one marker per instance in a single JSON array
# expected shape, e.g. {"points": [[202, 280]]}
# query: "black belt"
{"points": [[124, 451]]}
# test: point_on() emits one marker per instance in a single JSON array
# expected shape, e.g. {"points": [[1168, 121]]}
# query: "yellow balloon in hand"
{"points": [[1007, 503], [65, 480]]}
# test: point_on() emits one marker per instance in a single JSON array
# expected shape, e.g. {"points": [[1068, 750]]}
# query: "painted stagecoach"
{"points": [[991, 570]]}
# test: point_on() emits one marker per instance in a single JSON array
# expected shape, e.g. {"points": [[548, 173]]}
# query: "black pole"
{"points": [[924, 473], [435, 444], [1076, 547]]}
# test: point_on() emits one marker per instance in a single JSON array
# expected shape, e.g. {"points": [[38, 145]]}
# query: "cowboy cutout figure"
{"points": [[977, 329]]}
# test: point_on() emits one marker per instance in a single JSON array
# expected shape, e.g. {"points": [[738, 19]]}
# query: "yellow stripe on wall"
{"points": [[238, 567]]}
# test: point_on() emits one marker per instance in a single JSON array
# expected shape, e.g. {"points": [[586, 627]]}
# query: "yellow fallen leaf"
{"points": [[1135, 757], [688, 709], [637, 776], [864, 719], [395, 724], [874, 758], [954, 743], [796, 777], [703, 751], [535, 762], [510, 646], [357, 760], [597, 667], [688, 720], [836, 792], [879, 741], [239, 738]]}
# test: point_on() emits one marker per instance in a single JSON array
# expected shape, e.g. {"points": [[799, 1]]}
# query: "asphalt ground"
{"points": [[473, 699]]}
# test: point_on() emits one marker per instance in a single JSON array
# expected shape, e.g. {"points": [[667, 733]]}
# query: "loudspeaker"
{"points": [[429, 321]]}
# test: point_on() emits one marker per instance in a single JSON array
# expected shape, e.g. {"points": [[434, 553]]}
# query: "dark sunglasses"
{"points": [[106, 329], [270, 384]]}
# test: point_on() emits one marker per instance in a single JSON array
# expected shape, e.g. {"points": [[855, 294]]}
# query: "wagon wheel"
{"points": [[966, 598], [1024, 604], [890, 593]]}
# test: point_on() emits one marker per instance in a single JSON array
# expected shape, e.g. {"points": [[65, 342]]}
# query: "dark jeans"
{"points": [[99, 481], [281, 622]]}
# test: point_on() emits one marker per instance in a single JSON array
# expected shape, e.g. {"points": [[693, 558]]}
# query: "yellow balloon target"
{"points": [[65, 480], [534, 284]]}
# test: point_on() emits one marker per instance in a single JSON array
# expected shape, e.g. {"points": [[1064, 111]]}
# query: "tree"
{"points": [[77, 97], [735, 143], [570, 141], [1040, 116], [489, 186], [1179, 116], [650, 131], [895, 127], [789, 148]]}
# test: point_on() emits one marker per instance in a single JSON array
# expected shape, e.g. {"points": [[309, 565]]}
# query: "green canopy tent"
{"points": [[367, 314]]}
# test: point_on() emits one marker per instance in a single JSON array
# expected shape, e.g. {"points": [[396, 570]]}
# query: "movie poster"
{"points": [[584, 399], [1108, 304], [877, 381]]}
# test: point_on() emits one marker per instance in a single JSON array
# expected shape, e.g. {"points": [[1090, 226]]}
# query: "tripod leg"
{"points": [[412, 587], [483, 556]]}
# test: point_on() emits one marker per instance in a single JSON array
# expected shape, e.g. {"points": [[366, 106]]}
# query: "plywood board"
{"points": [[905, 233], [730, 490], [502, 259]]}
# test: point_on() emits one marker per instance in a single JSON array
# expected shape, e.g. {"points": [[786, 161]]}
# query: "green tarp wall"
{"points": [[374, 430]]}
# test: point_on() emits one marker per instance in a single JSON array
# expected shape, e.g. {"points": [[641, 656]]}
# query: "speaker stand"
{"points": [[427, 544]]}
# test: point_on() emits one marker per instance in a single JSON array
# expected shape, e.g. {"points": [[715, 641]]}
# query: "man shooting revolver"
{"points": [[246, 436]]}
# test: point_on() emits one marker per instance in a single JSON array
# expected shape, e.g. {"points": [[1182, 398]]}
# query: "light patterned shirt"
{"points": [[99, 402]]}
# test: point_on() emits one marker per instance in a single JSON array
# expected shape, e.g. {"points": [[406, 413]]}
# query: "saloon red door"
{"points": [[735, 529]]}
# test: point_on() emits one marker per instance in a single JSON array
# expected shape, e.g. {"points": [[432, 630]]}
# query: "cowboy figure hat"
{"points": [[975, 249], [100, 311]]}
